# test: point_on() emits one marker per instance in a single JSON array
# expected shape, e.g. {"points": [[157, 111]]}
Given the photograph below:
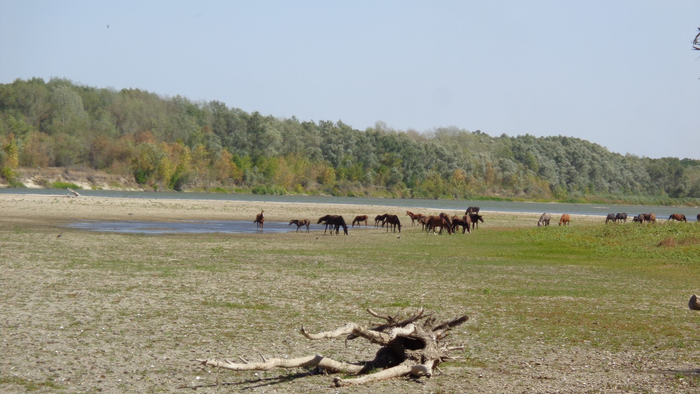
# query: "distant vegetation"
{"points": [[174, 143]]}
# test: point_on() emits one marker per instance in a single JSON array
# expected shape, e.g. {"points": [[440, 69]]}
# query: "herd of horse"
{"points": [[451, 224]]}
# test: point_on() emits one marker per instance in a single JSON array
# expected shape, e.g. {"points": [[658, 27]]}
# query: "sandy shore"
{"points": [[61, 209]]}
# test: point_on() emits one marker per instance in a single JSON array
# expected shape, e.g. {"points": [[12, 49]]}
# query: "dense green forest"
{"points": [[174, 143]]}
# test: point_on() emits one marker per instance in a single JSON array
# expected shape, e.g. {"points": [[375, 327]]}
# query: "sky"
{"points": [[620, 73]]}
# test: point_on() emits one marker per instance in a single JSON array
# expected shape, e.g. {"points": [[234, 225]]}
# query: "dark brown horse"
{"points": [[471, 210], [392, 221], [621, 217], [300, 222], [465, 221], [260, 220], [379, 219], [334, 221], [359, 220], [475, 218], [678, 217], [565, 219], [414, 217]]}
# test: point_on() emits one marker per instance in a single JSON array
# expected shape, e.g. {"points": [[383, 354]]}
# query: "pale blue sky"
{"points": [[617, 73]]}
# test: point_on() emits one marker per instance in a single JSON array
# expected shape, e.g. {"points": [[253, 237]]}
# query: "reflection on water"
{"points": [[189, 227]]}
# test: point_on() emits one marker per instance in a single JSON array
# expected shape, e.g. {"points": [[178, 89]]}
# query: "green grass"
{"points": [[591, 288]]}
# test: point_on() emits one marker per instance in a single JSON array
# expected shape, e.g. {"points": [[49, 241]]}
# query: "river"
{"points": [[662, 212]]}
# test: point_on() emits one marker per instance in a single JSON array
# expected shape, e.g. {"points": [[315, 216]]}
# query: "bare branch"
{"points": [[268, 364]]}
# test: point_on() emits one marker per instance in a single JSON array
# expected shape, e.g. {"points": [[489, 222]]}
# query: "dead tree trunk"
{"points": [[411, 346]]}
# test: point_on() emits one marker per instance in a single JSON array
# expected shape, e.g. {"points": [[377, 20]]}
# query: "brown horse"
{"points": [[260, 220], [414, 217], [439, 221], [359, 220], [393, 222], [678, 217], [565, 219], [300, 222], [423, 220]]}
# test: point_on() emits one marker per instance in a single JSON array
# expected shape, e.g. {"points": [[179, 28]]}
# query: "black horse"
{"points": [[611, 217], [621, 217]]}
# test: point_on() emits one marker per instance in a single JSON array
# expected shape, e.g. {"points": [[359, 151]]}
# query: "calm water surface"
{"points": [[661, 212]]}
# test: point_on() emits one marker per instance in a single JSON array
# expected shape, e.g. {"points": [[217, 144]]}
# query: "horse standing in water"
{"points": [[678, 216], [379, 219], [260, 220], [565, 219], [300, 222], [544, 220], [359, 220], [335, 221]]}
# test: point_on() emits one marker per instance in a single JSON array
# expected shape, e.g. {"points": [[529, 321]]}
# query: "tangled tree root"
{"points": [[409, 346]]}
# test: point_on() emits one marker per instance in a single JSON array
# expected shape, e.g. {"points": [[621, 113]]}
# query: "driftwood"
{"points": [[410, 346], [72, 193]]}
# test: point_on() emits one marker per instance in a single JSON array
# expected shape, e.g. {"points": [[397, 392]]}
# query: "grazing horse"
{"points": [[678, 216], [698, 218], [439, 221], [544, 220], [333, 221], [475, 218], [393, 222], [611, 217], [300, 222], [414, 216], [260, 220], [565, 219], [621, 217], [639, 218], [465, 222], [471, 210], [423, 220], [379, 219], [650, 217], [359, 220]]}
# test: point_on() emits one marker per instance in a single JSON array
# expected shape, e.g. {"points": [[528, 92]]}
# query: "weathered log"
{"points": [[408, 348]]}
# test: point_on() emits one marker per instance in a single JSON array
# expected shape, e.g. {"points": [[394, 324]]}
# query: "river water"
{"points": [[661, 212], [447, 205]]}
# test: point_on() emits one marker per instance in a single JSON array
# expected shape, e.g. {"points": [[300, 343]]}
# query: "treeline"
{"points": [[174, 143]]}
